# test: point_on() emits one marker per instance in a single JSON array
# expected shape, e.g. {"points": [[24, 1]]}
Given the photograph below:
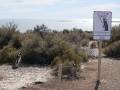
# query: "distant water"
{"points": [[26, 24]]}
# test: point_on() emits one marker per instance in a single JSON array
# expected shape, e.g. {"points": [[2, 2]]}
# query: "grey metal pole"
{"points": [[99, 62]]}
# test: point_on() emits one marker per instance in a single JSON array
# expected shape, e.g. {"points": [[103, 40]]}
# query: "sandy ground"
{"points": [[13, 79], [110, 78]]}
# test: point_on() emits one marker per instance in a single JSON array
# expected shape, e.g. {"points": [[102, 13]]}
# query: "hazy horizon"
{"points": [[54, 24]]}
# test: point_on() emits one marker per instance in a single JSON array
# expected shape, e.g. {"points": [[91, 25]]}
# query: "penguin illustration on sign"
{"points": [[105, 24], [103, 19]]}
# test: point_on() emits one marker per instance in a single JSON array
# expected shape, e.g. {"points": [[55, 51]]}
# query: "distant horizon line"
{"points": [[58, 20], [54, 24]]}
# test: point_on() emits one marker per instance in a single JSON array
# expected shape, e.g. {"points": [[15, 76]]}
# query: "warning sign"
{"points": [[102, 25]]}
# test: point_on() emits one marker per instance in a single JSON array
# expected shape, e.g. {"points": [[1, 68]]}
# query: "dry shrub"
{"points": [[113, 50]]}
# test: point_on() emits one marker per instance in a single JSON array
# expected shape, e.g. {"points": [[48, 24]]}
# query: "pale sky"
{"points": [[56, 9], [64, 13]]}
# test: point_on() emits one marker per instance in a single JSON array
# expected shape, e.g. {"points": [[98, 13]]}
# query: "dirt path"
{"points": [[110, 74], [23, 76], [110, 78]]}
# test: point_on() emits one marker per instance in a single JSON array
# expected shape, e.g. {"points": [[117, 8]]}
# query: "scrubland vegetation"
{"points": [[113, 46], [42, 45]]}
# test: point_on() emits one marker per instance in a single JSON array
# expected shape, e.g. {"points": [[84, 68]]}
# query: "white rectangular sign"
{"points": [[102, 25]]}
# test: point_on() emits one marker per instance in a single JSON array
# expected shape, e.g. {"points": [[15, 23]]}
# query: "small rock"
{"points": [[39, 82]]}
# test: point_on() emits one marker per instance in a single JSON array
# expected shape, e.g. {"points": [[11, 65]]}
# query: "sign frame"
{"points": [[102, 25]]}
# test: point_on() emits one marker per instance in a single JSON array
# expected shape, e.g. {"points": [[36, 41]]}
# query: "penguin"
{"points": [[105, 24]]}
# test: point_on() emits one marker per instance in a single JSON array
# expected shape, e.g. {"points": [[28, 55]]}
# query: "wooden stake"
{"points": [[60, 72]]}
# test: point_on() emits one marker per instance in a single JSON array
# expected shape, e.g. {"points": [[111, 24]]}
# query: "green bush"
{"points": [[42, 46], [63, 50], [113, 50], [8, 55], [84, 57], [34, 49], [6, 33]]}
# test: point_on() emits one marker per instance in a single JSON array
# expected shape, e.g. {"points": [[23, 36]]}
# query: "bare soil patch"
{"points": [[22, 77], [110, 78]]}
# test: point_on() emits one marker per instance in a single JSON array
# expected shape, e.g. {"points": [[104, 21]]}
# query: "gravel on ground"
{"points": [[23, 76], [110, 78]]}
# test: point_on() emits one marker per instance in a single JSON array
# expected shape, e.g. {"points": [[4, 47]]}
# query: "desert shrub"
{"points": [[115, 33], [69, 69], [42, 30], [6, 33], [84, 57], [113, 50], [57, 60], [34, 49], [84, 42], [16, 40], [41, 46], [8, 55], [64, 51]]}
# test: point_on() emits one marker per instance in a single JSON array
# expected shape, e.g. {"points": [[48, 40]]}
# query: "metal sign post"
{"points": [[99, 62], [102, 31]]}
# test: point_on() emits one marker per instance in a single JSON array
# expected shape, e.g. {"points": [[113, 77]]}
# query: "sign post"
{"points": [[101, 31], [99, 62]]}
